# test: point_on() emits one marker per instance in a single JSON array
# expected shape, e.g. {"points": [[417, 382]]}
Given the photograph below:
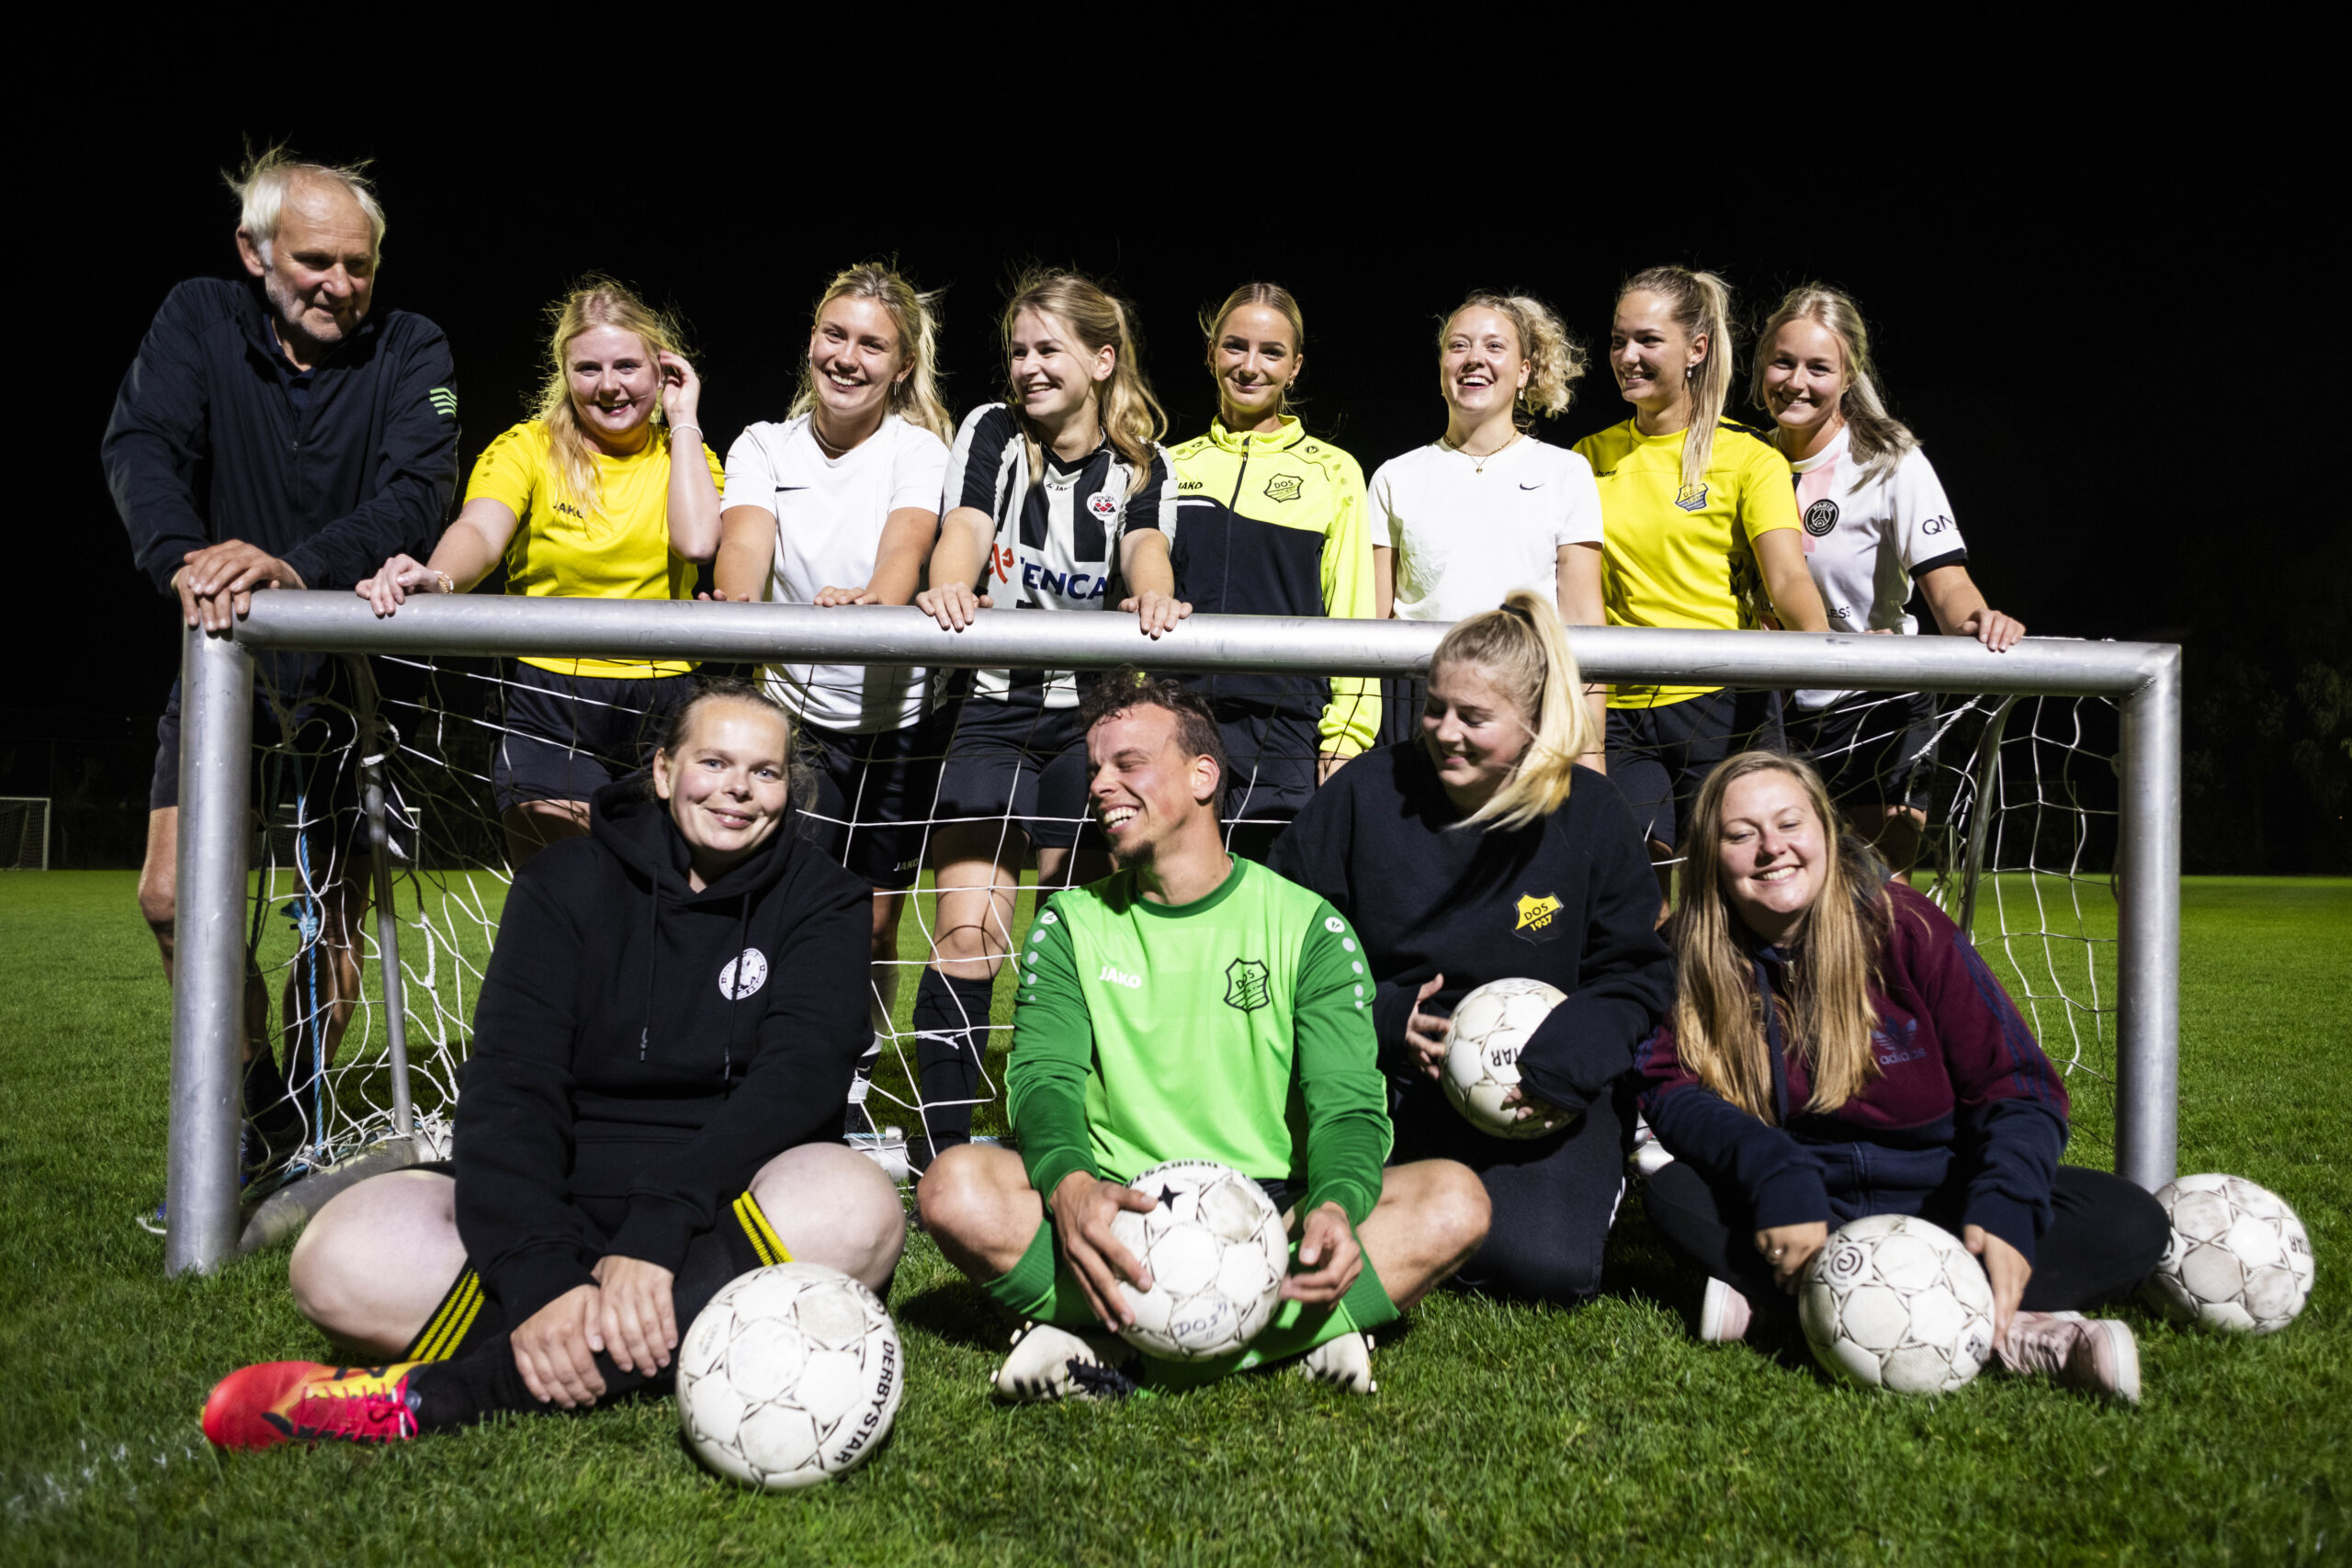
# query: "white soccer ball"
{"points": [[1893, 1302], [1216, 1250], [790, 1376], [1491, 1027], [2239, 1259]]}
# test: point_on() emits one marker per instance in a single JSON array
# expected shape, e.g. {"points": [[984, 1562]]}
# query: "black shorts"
{"points": [[874, 794], [1659, 756], [568, 736], [1270, 759], [306, 759], [1025, 764], [1871, 747]]}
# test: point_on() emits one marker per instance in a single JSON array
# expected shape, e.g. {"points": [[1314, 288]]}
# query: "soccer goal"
{"points": [[24, 832], [2053, 834]]}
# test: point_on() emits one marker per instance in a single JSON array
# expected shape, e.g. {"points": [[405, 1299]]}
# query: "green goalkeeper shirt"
{"points": [[1235, 1027]]}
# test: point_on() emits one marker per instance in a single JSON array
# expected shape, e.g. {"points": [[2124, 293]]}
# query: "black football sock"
{"points": [[484, 1379], [951, 1023], [269, 1108]]}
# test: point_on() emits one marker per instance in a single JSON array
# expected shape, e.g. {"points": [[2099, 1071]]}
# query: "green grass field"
{"points": [[1500, 1433]]}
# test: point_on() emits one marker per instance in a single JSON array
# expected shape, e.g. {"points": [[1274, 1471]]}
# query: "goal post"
{"points": [[2143, 680]]}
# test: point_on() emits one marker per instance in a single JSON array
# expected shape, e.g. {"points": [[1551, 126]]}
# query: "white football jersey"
{"points": [[1866, 539], [1465, 532], [829, 517]]}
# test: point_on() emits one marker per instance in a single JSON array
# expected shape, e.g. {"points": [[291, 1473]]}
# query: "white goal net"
{"points": [[2018, 795], [24, 832]]}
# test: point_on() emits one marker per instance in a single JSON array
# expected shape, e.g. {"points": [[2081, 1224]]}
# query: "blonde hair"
{"points": [[262, 186], [1132, 418], [1718, 1016], [1525, 652], [594, 302], [916, 316], [1555, 361], [1878, 439], [1273, 297], [1702, 303]]}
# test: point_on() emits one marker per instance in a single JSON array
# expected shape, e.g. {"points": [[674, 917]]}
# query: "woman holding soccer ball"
{"points": [[1488, 509], [1836, 1049], [1481, 850], [583, 501], [663, 1052]]}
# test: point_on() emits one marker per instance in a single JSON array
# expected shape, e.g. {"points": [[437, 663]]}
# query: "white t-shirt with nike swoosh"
{"points": [[829, 516], [1464, 537]]}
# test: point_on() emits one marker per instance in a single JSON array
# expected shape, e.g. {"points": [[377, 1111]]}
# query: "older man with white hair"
{"points": [[275, 434]]}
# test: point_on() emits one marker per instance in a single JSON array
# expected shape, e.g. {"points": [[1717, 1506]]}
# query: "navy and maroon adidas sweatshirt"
{"points": [[1963, 1095], [641, 1049]]}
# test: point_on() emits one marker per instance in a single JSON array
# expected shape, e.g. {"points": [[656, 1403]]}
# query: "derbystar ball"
{"points": [[2239, 1258], [1893, 1302], [1491, 1027], [1216, 1250], [790, 1376]]}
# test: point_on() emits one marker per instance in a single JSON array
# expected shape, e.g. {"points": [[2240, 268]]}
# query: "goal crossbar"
{"points": [[202, 1197]]}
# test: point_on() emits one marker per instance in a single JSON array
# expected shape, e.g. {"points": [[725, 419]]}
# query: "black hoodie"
{"points": [[644, 1049]]}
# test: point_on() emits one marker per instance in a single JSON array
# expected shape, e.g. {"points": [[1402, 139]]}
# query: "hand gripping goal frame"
{"points": [[2143, 680]]}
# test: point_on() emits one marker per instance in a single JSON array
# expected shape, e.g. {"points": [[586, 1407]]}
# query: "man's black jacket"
{"points": [[205, 444]]}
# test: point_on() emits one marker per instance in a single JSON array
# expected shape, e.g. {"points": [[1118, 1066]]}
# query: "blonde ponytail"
{"points": [[915, 399], [1132, 418], [1702, 304], [1876, 437], [596, 302], [1555, 361], [1524, 651]]}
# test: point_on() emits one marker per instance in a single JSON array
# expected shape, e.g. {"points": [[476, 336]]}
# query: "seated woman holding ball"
{"points": [[663, 1054], [1480, 851], [1837, 1048]]}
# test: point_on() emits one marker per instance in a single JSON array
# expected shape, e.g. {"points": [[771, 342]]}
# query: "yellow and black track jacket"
{"points": [[1273, 525]]}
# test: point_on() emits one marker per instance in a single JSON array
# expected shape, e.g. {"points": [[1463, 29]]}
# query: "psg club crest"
{"points": [[1284, 487], [1245, 985], [1821, 517], [1104, 505]]}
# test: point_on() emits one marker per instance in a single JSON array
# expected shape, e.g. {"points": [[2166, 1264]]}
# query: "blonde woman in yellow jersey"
{"points": [[1699, 530], [584, 501], [1269, 520]]}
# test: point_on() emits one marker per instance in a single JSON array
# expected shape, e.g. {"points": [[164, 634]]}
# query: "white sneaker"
{"points": [[1046, 1362], [1723, 1314], [1649, 1155], [1344, 1362], [2095, 1355]]}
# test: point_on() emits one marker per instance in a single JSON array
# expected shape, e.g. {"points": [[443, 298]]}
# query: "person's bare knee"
{"points": [[830, 1204], [374, 1261], [977, 1206], [158, 878], [1431, 1216]]}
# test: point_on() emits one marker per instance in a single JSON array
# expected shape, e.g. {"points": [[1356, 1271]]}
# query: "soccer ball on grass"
{"points": [[1491, 1027], [790, 1376], [1214, 1245], [1893, 1302], [2239, 1258]]}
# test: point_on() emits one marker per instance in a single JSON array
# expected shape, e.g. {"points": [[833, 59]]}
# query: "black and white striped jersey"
{"points": [[1057, 544]]}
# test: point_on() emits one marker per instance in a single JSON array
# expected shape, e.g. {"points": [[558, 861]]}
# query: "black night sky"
{"points": [[2028, 320]]}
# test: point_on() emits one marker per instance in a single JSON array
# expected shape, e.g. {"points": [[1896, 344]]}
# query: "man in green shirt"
{"points": [[1192, 1005]]}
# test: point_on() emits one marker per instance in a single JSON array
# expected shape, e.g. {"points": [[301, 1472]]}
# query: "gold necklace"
{"points": [[1478, 463]]}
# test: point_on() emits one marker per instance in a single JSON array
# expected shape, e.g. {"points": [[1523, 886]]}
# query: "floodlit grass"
{"points": [[1500, 1434]]}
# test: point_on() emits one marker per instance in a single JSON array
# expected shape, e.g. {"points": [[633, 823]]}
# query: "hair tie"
{"points": [[1520, 611]]}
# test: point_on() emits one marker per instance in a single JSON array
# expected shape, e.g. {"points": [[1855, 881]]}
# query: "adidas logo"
{"points": [[444, 401]]}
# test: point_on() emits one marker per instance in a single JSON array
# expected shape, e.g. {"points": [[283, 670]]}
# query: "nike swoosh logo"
{"points": [[1536, 486], [781, 489]]}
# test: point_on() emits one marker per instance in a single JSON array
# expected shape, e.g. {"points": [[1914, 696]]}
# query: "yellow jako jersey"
{"points": [[1273, 524], [1684, 555], [618, 550]]}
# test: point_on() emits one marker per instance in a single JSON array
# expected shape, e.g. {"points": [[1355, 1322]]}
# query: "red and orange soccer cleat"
{"points": [[309, 1402]]}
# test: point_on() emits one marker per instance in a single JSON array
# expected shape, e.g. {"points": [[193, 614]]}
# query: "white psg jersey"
{"points": [[829, 517], [1867, 538], [1056, 541]]}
